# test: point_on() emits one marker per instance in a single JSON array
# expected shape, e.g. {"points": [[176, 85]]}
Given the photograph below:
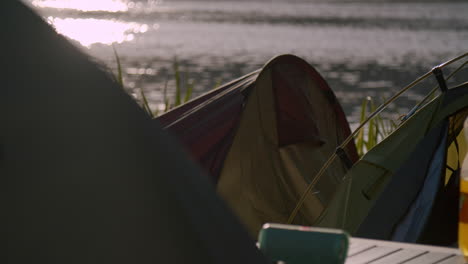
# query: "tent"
{"points": [[406, 187], [86, 176], [262, 138]]}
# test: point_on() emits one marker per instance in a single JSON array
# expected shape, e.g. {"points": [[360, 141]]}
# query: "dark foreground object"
{"points": [[85, 176]]}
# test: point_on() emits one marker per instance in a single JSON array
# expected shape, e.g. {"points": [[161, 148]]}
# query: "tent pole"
{"points": [[350, 137]]}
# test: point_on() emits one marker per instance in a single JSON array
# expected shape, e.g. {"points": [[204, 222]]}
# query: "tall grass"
{"points": [[182, 82], [119, 76], [376, 129]]}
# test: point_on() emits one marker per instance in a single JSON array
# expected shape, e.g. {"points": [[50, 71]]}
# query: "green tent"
{"points": [[405, 188], [290, 124], [263, 137]]}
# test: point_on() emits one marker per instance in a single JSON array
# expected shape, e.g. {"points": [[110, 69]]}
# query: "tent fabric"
{"points": [[170, 118], [392, 185], [442, 225], [206, 125], [285, 123], [86, 176], [368, 177], [424, 166], [413, 223], [269, 166], [415, 227]]}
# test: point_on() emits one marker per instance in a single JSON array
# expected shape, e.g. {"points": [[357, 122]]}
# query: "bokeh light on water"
{"points": [[83, 5], [89, 31]]}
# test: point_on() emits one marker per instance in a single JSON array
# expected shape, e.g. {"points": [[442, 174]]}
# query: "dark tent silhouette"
{"points": [[264, 136], [86, 177]]}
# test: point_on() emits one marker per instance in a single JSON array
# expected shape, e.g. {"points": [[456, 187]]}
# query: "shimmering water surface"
{"points": [[365, 48]]}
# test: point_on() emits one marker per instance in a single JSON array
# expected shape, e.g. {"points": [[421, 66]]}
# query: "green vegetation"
{"points": [[119, 67], [182, 82], [375, 130]]}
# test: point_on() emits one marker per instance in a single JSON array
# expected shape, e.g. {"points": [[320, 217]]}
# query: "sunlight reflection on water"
{"points": [[363, 48], [84, 5], [89, 31]]}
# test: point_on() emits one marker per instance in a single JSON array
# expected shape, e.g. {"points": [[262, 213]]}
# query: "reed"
{"points": [[182, 82], [375, 130]]}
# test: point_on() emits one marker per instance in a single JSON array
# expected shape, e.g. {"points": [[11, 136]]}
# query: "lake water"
{"points": [[365, 48]]}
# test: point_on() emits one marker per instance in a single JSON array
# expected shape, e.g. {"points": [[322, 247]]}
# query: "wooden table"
{"points": [[386, 252]]}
